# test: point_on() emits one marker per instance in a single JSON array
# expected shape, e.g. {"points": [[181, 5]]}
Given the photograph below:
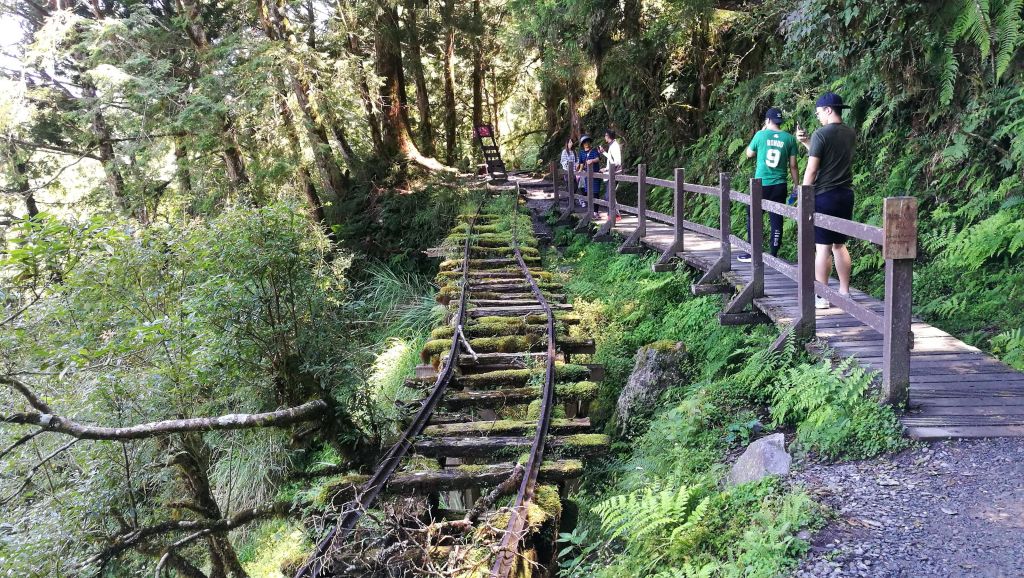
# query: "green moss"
{"points": [[433, 348], [580, 444], [274, 548], [582, 391], [564, 467], [477, 251], [533, 412], [512, 377], [337, 487], [666, 345], [547, 499], [421, 464]]}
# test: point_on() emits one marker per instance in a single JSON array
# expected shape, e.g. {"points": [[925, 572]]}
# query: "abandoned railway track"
{"points": [[480, 470]]}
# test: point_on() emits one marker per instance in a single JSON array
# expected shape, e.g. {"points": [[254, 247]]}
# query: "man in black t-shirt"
{"points": [[829, 169]]}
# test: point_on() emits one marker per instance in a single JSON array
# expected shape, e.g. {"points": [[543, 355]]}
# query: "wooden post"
{"points": [[679, 214], [588, 213], [632, 244], [899, 248], [613, 205], [572, 190], [554, 185], [733, 313], [725, 219], [756, 235], [641, 201], [613, 208], [711, 281], [806, 327], [679, 210], [590, 192]]}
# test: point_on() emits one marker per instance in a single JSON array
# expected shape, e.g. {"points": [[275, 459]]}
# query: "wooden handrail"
{"points": [[897, 239]]}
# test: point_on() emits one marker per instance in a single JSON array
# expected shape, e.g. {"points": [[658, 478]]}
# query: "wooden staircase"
{"points": [[492, 156]]}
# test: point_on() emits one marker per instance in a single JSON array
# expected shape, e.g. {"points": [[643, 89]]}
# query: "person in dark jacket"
{"points": [[590, 156]]}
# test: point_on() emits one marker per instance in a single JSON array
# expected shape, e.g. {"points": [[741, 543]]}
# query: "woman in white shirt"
{"points": [[568, 161]]}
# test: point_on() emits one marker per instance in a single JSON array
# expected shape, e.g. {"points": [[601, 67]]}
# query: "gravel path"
{"points": [[951, 508]]}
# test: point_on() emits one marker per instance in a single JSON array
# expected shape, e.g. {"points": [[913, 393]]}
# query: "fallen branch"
{"points": [[503, 489], [280, 418]]}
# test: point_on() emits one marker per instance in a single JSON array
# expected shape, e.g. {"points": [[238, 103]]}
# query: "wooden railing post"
{"points": [[733, 312], [756, 235], [725, 219], [664, 263], [572, 190], [641, 200], [554, 185], [711, 281], [613, 208], [632, 243], [899, 248], [588, 214], [806, 325]]}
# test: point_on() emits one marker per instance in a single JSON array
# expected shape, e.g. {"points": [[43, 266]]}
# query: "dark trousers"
{"points": [[775, 193]]}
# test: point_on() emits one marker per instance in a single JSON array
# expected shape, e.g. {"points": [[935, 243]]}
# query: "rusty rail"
{"points": [[505, 562], [367, 494]]}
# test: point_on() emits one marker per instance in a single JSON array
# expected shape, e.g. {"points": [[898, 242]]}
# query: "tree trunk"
{"points": [[316, 208], [233, 161], [450, 119], [415, 61], [183, 171], [19, 174], [193, 461], [478, 66], [101, 132], [277, 28], [575, 131], [632, 12], [369, 106]]}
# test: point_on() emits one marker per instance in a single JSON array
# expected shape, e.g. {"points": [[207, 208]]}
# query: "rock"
{"points": [[657, 366], [764, 457]]}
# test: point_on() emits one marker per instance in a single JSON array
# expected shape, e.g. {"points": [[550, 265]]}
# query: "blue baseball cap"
{"points": [[773, 114], [831, 100]]}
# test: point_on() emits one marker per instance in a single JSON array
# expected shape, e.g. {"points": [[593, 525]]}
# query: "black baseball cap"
{"points": [[831, 100], [584, 139], [773, 114]]}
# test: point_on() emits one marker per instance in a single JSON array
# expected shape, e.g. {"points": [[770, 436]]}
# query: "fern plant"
{"points": [[1009, 346], [656, 521], [993, 27]]}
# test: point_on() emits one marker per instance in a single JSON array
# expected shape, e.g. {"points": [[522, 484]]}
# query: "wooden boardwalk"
{"points": [[956, 390]]}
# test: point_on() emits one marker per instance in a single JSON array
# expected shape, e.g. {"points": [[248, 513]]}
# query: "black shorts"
{"points": [[837, 203]]}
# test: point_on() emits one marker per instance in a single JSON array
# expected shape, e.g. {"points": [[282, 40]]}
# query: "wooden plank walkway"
{"points": [[956, 390]]}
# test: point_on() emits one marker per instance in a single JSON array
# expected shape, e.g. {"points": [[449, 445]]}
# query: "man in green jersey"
{"points": [[775, 150]]}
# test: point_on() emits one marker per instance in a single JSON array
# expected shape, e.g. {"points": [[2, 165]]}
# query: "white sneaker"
{"points": [[821, 303]]}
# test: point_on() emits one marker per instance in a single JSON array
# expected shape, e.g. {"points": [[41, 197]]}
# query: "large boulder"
{"points": [[764, 457], [657, 366]]}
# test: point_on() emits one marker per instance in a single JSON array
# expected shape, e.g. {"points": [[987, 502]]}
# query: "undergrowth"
{"points": [[658, 507]]}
